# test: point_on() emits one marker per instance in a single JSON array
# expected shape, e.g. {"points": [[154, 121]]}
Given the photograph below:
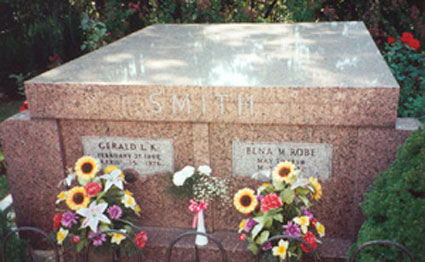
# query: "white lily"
{"points": [[113, 178], [94, 215], [301, 182], [69, 178]]}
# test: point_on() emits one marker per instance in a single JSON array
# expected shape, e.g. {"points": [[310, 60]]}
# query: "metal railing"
{"points": [[223, 255], [191, 233], [382, 243]]}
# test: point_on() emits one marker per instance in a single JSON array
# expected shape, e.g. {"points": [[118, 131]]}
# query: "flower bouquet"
{"points": [[280, 207], [97, 202], [200, 187]]}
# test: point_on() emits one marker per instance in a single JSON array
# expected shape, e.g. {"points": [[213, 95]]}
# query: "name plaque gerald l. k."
{"points": [[255, 159], [146, 156]]}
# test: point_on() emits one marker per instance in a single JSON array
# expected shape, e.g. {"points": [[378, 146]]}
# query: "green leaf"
{"points": [[278, 217], [288, 196], [253, 248], [302, 191], [263, 237], [81, 245], [305, 200], [256, 230], [278, 185], [268, 221]]}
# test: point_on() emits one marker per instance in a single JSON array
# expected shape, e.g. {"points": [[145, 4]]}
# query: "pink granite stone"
{"points": [[34, 165], [278, 105], [158, 207], [259, 73]]}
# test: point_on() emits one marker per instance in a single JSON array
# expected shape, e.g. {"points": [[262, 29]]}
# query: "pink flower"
{"points": [[114, 212], [271, 201], [292, 229], [99, 239], [69, 218]]}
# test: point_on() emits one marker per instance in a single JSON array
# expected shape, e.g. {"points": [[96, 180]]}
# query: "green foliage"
{"points": [[4, 182], [16, 248], [407, 65], [395, 206], [31, 31]]}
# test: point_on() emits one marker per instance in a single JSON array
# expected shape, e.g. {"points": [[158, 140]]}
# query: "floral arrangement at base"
{"points": [[199, 185], [201, 188], [97, 201], [277, 208]]}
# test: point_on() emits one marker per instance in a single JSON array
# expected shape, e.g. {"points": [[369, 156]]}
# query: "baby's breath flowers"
{"points": [[199, 185]]}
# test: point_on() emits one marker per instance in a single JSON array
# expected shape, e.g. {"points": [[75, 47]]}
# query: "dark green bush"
{"points": [[395, 206], [16, 248], [30, 33]]}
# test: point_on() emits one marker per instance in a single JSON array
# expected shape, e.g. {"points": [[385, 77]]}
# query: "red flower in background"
{"points": [[24, 106], [141, 239], [415, 44], [57, 220], [271, 201], [311, 240], [390, 40], [408, 39]]}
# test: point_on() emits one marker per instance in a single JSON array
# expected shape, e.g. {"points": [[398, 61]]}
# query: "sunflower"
{"points": [[77, 198], [245, 200], [283, 172], [87, 167], [317, 187]]}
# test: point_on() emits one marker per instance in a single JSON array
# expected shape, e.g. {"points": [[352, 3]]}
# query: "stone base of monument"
{"points": [[332, 249]]}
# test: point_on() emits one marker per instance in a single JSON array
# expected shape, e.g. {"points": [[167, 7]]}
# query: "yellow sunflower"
{"points": [[77, 198], [87, 167], [283, 172], [317, 188], [245, 200]]}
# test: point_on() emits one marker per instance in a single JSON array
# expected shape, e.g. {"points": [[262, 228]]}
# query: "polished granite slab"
{"points": [[334, 54]]}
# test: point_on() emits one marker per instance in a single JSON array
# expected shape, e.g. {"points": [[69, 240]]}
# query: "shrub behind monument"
{"points": [[395, 206]]}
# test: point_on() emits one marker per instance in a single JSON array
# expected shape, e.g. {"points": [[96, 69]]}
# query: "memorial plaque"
{"points": [[255, 159], [146, 156]]}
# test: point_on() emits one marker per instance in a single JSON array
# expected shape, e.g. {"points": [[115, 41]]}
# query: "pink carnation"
{"points": [[271, 201]]}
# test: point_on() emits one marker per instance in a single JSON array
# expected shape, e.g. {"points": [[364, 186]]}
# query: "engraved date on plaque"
{"points": [[251, 158], [146, 156]]}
